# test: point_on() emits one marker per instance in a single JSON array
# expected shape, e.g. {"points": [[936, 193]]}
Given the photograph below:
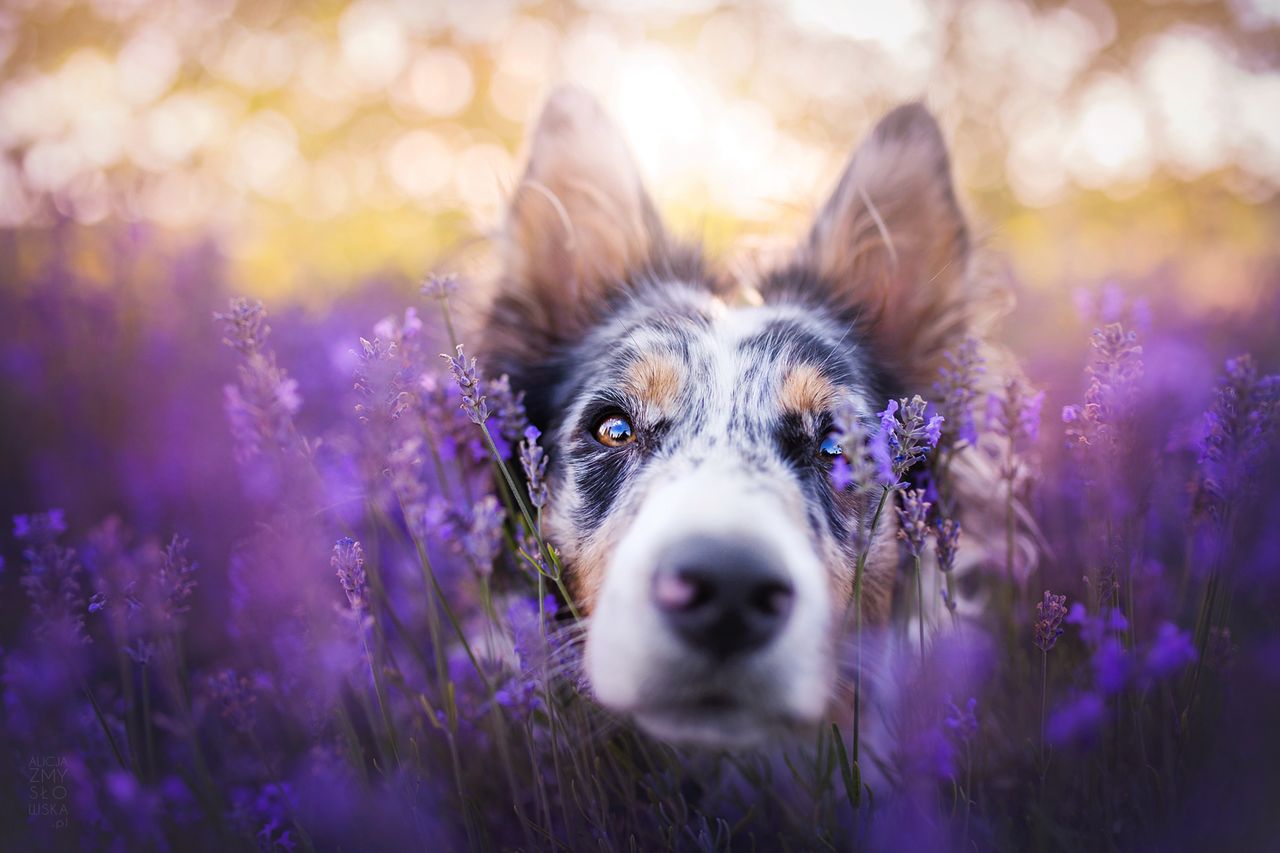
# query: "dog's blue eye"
{"points": [[615, 431], [829, 448]]}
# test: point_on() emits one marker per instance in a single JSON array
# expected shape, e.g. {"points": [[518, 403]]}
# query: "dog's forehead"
{"points": [[684, 348]]}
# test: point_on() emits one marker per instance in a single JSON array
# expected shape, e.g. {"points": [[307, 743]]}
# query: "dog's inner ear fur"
{"points": [[578, 225], [891, 244]]}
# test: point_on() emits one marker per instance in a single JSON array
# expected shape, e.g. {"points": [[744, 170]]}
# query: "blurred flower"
{"points": [[946, 535], [1112, 665], [235, 698], [244, 326], [1048, 625], [1094, 629], [175, 581], [1076, 720], [484, 537], [1169, 652], [913, 517], [348, 562], [439, 286], [963, 724], [1236, 431], [956, 390], [1015, 413], [52, 577], [1116, 369], [261, 407], [864, 460], [382, 381], [513, 421]]}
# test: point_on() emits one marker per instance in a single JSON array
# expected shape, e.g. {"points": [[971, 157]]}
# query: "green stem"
{"points": [[102, 721], [378, 692], [1044, 693], [920, 605], [857, 608], [146, 723]]}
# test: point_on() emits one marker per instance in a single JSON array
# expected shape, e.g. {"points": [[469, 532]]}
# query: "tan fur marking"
{"points": [[806, 390], [655, 379]]}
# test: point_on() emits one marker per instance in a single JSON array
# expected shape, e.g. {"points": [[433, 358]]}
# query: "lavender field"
{"points": [[266, 586], [273, 570]]}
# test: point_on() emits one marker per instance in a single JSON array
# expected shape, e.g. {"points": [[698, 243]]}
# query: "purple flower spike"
{"points": [[468, 379], [947, 541], [534, 461], [439, 286], [348, 562], [857, 465], [1049, 615], [956, 390], [914, 527], [907, 436]]}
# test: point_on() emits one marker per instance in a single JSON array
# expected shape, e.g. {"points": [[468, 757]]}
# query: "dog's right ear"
{"points": [[578, 225]]}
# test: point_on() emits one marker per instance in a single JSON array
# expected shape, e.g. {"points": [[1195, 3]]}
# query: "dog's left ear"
{"points": [[579, 225], [891, 245]]}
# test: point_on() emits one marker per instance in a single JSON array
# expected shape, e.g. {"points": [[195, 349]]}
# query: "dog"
{"points": [[687, 414]]}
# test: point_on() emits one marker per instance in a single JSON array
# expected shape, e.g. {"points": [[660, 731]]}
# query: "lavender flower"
{"points": [[946, 534], [913, 515], [468, 379], [439, 286], [963, 724], [1236, 431], [864, 460], [513, 420], [482, 541], [174, 579], [1076, 720], [1112, 665], [1113, 375], [245, 326], [260, 408], [1169, 652], [1049, 615], [348, 562], [957, 388], [52, 577], [382, 381], [908, 435], [534, 461], [1095, 629], [1015, 413], [235, 698]]}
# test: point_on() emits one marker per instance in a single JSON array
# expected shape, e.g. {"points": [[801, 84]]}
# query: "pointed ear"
{"points": [[892, 246], [578, 224]]}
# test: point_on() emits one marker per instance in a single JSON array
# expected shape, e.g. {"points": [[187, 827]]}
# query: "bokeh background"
{"points": [[320, 142]]}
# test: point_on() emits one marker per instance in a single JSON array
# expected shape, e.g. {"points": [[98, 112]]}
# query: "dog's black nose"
{"points": [[724, 597]]}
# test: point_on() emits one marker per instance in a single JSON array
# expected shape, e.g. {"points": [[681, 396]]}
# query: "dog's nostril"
{"points": [[724, 597], [677, 592], [773, 599]]}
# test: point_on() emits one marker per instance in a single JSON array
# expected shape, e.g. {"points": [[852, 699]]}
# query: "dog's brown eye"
{"points": [[829, 448], [615, 431]]}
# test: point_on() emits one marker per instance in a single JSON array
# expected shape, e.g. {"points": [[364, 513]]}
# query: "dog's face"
{"points": [[688, 417]]}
